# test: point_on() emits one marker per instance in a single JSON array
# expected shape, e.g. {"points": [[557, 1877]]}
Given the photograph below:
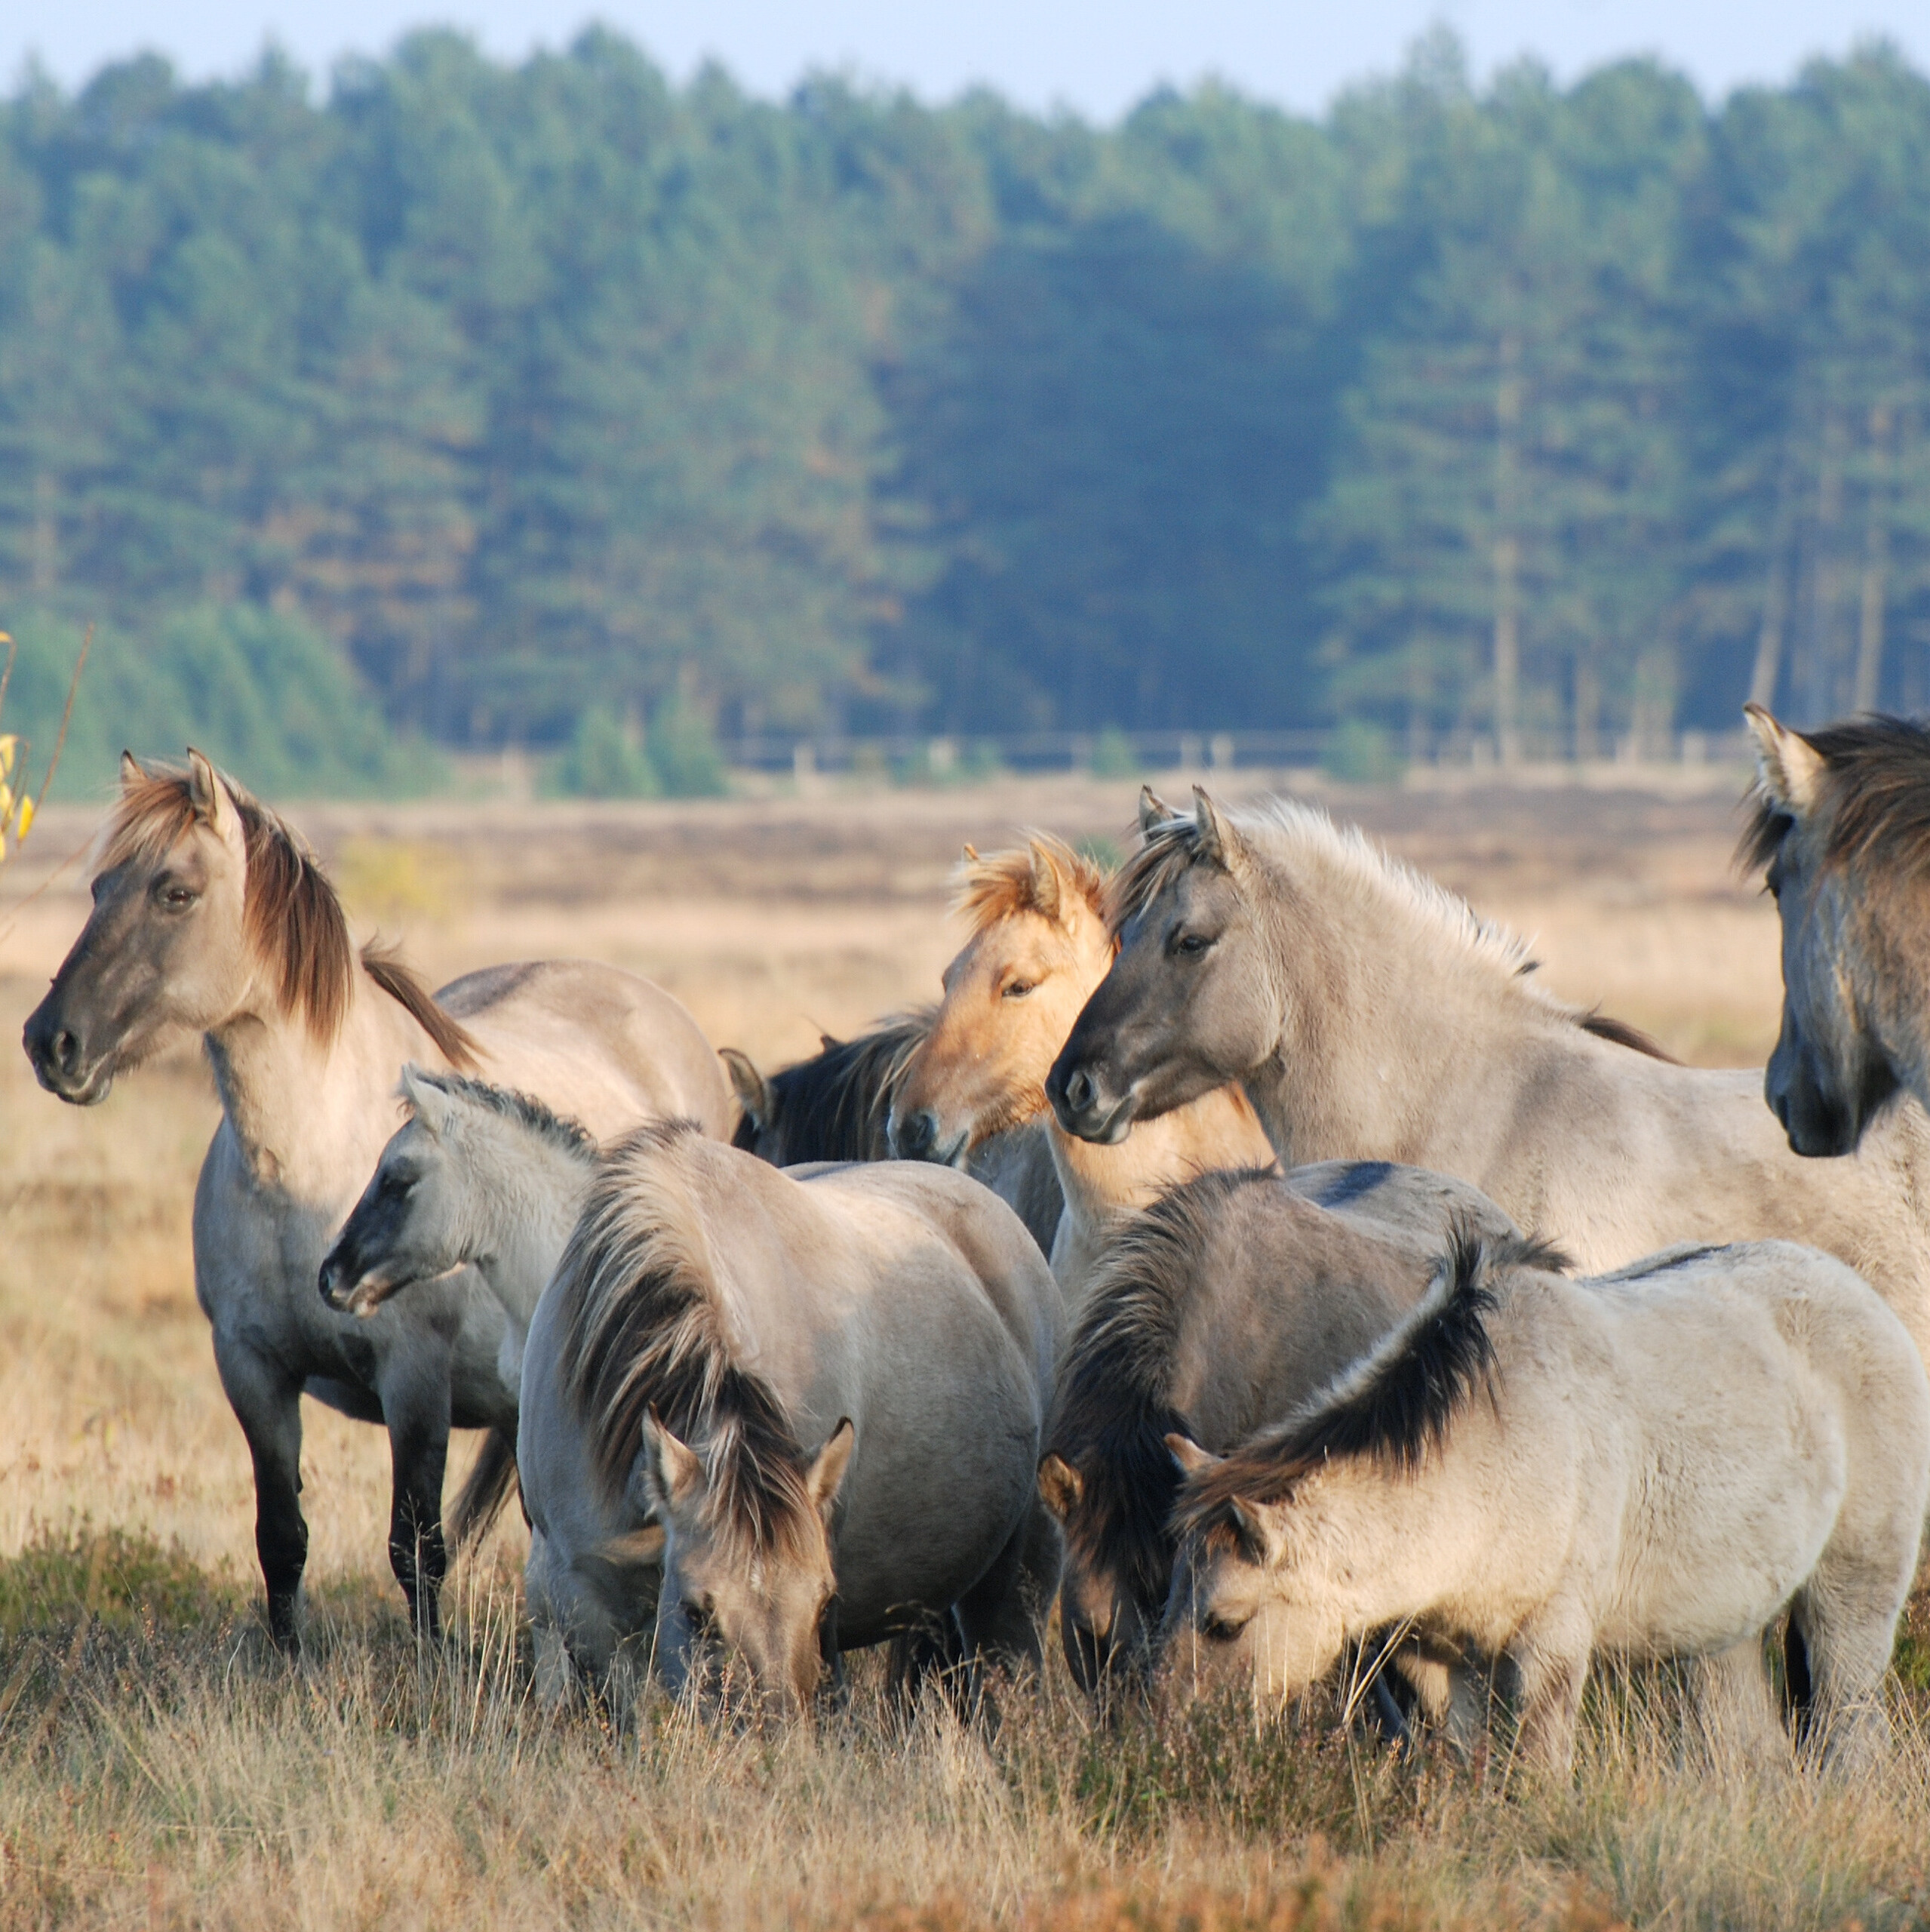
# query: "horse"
{"points": [[1232, 1300], [837, 1107], [1653, 1464], [827, 1385], [1372, 1016], [1038, 947], [1841, 820], [484, 1176], [210, 915]]}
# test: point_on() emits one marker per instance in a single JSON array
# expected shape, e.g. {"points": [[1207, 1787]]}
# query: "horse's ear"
{"points": [[208, 796], [1188, 1454], [673, 1471], [427, 1101], [1045, 885], [1154, 810], [1061, 1488], [1218, 841], [1257, 1528], [971, 853], [827, 1475], [752, 1090], [131, 773], [1791, 768]]}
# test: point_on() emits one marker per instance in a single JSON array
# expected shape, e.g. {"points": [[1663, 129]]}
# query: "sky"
{"points": [[1095, 57]]}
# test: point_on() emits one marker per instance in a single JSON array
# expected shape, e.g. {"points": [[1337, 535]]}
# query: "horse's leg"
{"points": [[267, 1402], [999, 1616], [1849, 1631], [414, 1403], [1738, 1720], [1552, 1655]]}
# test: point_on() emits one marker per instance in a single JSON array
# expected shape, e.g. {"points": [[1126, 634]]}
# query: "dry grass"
{"points": [[159, 1766]]}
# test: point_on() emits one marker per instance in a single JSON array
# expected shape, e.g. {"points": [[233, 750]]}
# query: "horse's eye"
{"points": [[1018, 989], [1189, 946], [1218, 1629], [175, 897]]}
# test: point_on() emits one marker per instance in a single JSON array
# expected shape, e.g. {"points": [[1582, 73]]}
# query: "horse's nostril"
{"points": [[66, 1050], [1079, 1090], [917, 1135]]}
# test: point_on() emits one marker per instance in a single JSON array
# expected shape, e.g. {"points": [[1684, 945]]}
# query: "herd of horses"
{"points": [[1246, 1253]]}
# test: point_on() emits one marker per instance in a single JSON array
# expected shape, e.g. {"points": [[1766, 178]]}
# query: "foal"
{"points": [[1653, 1464]]}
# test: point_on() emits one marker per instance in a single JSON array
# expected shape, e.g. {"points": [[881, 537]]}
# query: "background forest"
{"points": [[555, 405]]}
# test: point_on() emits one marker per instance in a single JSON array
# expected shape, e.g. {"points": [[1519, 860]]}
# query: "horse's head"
{"points": [[1239, 1618], [1844, 1044], [164, 952], [1106, 1617], [409, 1225], [1040, 947], [758, 1589], [1190, 1003]]}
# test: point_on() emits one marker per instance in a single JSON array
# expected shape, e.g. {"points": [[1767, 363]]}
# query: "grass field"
{"points": [[159, 1766]]}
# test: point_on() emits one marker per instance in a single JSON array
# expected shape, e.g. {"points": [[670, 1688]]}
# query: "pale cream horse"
{"points": [[211, 916]]}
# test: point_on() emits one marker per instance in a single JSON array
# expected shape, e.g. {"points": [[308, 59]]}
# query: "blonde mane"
{"points": [[1281, 827], [1038, 877], [291, 914], [644, 1328]]}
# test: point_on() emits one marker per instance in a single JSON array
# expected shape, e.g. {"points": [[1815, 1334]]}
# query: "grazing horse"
{"points": [[827, 1385], [210, 916], [1232, 1301], [1842, 821], [1371, 1017], [1653, 1464], [1039, 947], [837, 1107]]}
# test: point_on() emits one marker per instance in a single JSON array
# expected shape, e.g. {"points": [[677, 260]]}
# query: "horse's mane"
{"points": [[643, 1327], [1035, 877], [523, 1110], [1114, 1409], [1394, 1406], [836, 1106], [1877, 770], [292, 915], [1173, 846]]}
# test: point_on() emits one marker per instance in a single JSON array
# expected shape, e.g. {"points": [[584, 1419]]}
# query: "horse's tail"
{"points": [[491, 1480]]}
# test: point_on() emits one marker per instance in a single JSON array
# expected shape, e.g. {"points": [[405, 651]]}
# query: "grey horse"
{"points": [[211, 917]]}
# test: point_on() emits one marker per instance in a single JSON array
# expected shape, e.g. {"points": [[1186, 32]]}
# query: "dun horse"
{"points": [[1372, 1016], [211, 917], [837, 1105], [1231, 1301], [1652, 1463], [1842, 823], [827, 1386], [480, 1176], [1039, 947]]}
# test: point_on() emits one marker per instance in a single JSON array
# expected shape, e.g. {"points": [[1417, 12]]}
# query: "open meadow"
{"points": [[160, 1765]]}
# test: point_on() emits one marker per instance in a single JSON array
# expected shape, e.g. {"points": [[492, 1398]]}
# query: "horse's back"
{"points": [[533, 1016]]}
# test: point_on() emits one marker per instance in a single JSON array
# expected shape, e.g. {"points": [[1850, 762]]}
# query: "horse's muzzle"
{"points": [[1085, 1108], [61, 1062]]}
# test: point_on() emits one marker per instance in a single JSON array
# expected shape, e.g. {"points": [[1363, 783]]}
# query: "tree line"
{"points": [[472, 405]]}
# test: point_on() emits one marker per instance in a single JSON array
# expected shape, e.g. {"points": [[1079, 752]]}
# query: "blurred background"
{"points": [[759, 391]]}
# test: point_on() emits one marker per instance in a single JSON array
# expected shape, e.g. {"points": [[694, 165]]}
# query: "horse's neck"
{"points": [[310, 1117], [1219, 1130], [1398, 1043], [529, 1206]]}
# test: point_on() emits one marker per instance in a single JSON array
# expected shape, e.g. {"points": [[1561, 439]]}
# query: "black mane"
{"points": [[1394, 1406], [1114, 1411], [836, 1106], [523, 1110]]}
